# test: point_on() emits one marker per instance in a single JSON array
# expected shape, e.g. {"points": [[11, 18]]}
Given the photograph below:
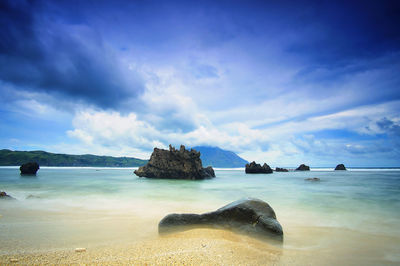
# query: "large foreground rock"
{"points": [[255, 168], [252, 216], [175, 164], [303, 167], [29, 168], [340, 167]]}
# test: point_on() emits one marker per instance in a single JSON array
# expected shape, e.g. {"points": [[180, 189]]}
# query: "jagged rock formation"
{"points": [[255, 168], [29, 168], [340, 167], [252, 216], [175, 164], [277, 169], [312, 179], [303, 167], [3, 195]]}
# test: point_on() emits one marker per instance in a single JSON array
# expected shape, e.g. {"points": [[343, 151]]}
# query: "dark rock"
{"points": [[281, 170], [255, 168], [303, 167], [175, 164], [29, 168], [313, 179], [340, 167], [208, 171], [252, 216], [3, 195]]}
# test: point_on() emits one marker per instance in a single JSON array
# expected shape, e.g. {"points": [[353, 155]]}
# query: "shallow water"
{"points": [[352, 213]]}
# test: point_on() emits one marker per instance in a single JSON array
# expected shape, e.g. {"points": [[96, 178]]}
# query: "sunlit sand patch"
{"points": [[198, 246]]}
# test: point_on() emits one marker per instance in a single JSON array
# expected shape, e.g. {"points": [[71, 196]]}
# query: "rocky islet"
{"points": [[175, 164], [29, 168], [255, 168]]}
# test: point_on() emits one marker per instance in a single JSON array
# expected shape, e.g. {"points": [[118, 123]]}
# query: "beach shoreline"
{"points": [[219, 247], [195, 247]]}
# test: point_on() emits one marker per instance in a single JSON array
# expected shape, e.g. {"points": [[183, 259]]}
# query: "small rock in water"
{"points": [[13, 260], [255, 168], [80, 249], [340, 167], [29, 168], [4, 195], [303, 167], [313, 179], [33, 197]]}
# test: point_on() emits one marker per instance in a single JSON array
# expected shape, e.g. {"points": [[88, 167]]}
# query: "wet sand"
{"points": [[114, 237], [216, 247], [194, 247]]}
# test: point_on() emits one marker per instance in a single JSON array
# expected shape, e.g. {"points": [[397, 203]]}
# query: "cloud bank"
{"points": [[273, 82], [44, 54]]}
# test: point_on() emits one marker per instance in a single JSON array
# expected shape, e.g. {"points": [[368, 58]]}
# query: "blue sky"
{"points": [[282, 82]]}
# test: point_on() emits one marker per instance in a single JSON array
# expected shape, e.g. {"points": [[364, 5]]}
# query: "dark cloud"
{"points": [[44, 54], [389, 126], [336, 32]]}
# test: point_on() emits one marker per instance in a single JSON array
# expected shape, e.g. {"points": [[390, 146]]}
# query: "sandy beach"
{"points": [[194, 247], [211, 247]]}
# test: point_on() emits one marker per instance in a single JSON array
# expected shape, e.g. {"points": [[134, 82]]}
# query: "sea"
{"points": [[354, 214]]}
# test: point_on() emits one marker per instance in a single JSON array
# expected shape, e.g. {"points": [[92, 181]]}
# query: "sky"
{"points": [[281, 82]]}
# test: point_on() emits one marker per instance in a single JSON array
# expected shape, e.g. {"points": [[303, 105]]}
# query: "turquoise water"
{"points": [[363, 201]]}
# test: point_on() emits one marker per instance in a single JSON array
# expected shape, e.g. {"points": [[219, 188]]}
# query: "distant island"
{"points": [[17, 158], [217, 157]]}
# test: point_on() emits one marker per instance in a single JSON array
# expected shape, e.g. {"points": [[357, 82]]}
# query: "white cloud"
{"points": [[265, 122], [111, 129], [284, 143]]}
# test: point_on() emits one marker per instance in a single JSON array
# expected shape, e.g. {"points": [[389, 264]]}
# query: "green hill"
{"points": [[218, 157], [11, 158]]}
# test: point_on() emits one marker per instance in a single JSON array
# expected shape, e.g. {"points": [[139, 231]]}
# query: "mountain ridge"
{"points": [[217, 157], [43, 158], [210, 156]]}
